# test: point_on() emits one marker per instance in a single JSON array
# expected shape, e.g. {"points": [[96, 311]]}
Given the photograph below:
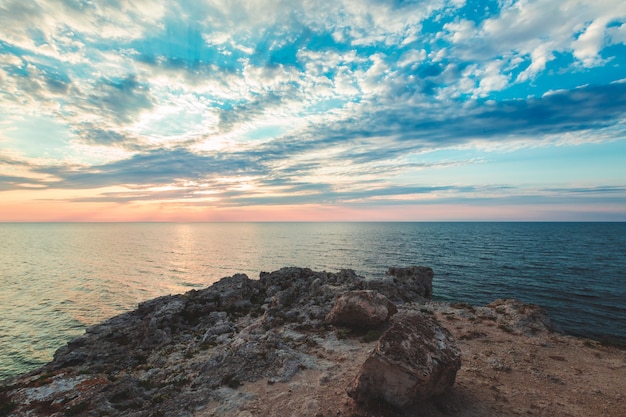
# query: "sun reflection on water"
{"points": [[56, 279]]}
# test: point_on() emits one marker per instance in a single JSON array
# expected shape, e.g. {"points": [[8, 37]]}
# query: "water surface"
{"points": [[58, 278]]}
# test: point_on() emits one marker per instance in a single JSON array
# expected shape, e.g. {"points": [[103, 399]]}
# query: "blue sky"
{"points": [[325, 110]]}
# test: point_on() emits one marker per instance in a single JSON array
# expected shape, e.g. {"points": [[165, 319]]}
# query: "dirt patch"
{"points": [[504, 373]]}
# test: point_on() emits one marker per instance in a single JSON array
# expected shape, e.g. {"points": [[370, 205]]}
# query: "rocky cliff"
{"points": [[295, 342]]}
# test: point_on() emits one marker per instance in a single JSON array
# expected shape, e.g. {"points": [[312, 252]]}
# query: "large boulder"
{"points": [[361, 309], [415, 359]]}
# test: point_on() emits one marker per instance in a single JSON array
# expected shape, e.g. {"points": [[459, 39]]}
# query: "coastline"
{"points": [[52, 293], [183, 355]]}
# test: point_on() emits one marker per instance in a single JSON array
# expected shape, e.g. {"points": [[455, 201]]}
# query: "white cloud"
{"points": [[412, 57], [345, 85], [371, 80], [178, 117], [492, 79], [539, 58], [321, 62], [460, 31], [224, 40], [524, 21], [268, 78], [217, 38], [438, 55], [8, 59], [54, 24], [457, 3], [333, 86], [535, 31], [363, 22], [590, 42]]}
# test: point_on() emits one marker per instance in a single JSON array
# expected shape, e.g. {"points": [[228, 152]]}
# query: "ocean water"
{"points": [[58, 278]]}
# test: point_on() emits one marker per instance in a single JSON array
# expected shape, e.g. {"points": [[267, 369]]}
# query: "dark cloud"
{"points": [[57, 82], [91, 134], [103, 135], [7, 160], [121, 100], [229, 118], [592, 107], [158, 167], [314, 193], [9, 182], [591, 190], [391, 134], [302, 193], [130, 196], [13, 182]]}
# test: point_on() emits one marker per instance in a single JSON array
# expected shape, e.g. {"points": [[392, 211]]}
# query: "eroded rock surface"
{"points": [[245, 347], [175, 354], [414, 283], [361, 309], [415, 359]]}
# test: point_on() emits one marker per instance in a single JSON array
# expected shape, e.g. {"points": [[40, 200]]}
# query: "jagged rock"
{"points": [[518, 317], [178, 353], [414, 283], [364, 309], [221, 330], [304, 296], [415, 359]]}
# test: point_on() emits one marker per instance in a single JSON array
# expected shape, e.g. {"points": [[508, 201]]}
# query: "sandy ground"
{"points": [[504, 373]]}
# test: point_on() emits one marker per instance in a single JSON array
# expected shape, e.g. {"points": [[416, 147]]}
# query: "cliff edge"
{"points": [[272, 347]]}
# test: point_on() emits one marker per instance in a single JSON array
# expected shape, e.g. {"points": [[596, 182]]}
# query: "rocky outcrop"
{"points": [[415, 359], [361, 309], [175, 354], [517, 317], [402, 285], [195, 354]]}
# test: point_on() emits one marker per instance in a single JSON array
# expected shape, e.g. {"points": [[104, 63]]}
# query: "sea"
{"points": [[56, 279]]}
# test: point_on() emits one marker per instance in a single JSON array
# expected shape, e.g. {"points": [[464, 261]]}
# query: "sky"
{"points": [[302, 110]]}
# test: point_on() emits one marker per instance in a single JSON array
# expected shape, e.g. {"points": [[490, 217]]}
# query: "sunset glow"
{"points": [[312, 111]]}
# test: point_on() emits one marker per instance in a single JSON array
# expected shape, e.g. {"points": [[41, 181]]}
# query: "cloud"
{"points": [[588, 45], [599, 190], [334, 100], [591, 107], [120, 100], [362, 22], [91, 134], [52, 24], [617, 34], [249, 62], [10, 182], [230, 118], [157, 167], [528, 30]]}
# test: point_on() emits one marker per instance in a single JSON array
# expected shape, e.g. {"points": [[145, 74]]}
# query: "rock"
{"points": [[400, 285], [205, 349], [220, 329], [362, 309], [300, 295], [415, 359], [419, 279], [517, 317]]}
